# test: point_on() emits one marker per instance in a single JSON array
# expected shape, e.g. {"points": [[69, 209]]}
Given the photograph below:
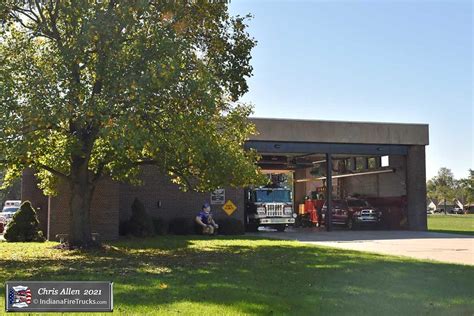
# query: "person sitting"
{"points": [[205, 221]]}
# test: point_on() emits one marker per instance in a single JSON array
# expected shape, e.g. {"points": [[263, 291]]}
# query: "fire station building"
{"points": [[382, 162]]}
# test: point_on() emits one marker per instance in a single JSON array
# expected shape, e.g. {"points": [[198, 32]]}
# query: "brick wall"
{"points": [[174, 203], [112, 202], [31, 192], [104, 210]]}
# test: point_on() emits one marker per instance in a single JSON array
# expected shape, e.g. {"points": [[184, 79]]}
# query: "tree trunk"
{"points": [[81, 196]]}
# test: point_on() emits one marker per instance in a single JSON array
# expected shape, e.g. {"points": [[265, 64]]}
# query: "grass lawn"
{"points": [[244, 275], [459, 224]]}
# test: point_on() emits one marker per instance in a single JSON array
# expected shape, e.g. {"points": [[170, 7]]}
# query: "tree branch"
{"points": [[100, 169], [188, 183], [185, 178], [55, 172], [40, 11], [146, 162], [41, 166], [28, 13]]}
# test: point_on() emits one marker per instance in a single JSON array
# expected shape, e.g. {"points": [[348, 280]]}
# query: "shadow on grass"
{"points": [[254, 275]]}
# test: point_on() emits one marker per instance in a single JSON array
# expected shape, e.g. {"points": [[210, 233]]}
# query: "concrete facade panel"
{"points": [[340, 132], [416, 188]]}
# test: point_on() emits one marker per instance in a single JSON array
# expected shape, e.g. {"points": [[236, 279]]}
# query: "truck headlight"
{"points": [[288, 210], [261, 210]]}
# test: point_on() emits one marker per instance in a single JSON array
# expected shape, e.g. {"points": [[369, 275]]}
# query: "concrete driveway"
{"points": [[442, 247]]}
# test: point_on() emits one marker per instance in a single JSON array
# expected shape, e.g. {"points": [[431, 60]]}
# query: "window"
{"points": [[361, 163], [268, 196], [385, 161], [357, 203], [372, 162], [341, 204], [350, 164], [11, 209]]}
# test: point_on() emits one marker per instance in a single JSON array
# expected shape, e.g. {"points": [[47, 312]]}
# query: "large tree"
{"points": [[442, 187], [467, 188], [93, 88]]}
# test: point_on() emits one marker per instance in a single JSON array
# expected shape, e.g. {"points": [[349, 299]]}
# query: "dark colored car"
{"points": [[353, 213]]}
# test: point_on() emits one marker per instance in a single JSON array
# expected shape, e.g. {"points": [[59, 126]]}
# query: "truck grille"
{"points": [[274, 209], [367, 212]]}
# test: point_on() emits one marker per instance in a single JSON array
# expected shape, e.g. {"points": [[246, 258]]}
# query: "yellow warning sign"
{"points": [[229, 207]]}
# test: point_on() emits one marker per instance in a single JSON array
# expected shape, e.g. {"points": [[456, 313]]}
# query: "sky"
{"points": [[384, 61]]}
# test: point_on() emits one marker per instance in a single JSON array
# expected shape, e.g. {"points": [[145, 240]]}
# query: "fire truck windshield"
{"points": [[271, 196]]}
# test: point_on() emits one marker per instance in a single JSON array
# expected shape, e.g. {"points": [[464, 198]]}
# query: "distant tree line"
{"points": [[445, 188]]}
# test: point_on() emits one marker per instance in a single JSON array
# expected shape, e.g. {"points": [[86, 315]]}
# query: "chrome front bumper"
{"points": [[278, 220], [366, 219]]}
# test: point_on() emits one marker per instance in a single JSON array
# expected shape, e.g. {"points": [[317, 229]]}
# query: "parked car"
{"points": [[353, 213], [457, 210], [7, 214], [10, 203], [430, 211]]}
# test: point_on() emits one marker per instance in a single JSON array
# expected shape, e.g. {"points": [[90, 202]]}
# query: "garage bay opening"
{"points": [[326, 191]]}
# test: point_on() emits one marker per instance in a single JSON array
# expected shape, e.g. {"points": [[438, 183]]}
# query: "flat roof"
{"points": [[292, 130]]}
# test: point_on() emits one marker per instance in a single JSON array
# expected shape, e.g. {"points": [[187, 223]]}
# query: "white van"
{"points": [[9, 209], [12, 203]]}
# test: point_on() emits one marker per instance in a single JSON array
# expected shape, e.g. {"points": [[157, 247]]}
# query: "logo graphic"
{"points": [[19, 296]]}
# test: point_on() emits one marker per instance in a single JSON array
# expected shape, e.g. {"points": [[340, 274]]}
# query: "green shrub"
{"points": [[24, 225], [181, 226], [124, 228], [161, 226], [141, 224], [230, 226]]}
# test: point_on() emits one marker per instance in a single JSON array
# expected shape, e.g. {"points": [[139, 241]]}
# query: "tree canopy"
{"points": [[467, 187], [126, 83], [98, 88], [444, 187]]}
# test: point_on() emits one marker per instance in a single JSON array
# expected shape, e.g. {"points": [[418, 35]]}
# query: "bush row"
{"points": [[141, 224], [25, 226], [181, 226]]}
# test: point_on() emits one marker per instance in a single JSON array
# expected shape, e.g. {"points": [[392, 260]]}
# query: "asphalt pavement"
{"points": [[450, 248]]}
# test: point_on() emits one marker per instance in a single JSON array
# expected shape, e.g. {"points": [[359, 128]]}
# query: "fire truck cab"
{"points": [[269, 206]]}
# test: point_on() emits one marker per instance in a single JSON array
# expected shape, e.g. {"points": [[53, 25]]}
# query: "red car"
{"points": [[353, 213]]}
